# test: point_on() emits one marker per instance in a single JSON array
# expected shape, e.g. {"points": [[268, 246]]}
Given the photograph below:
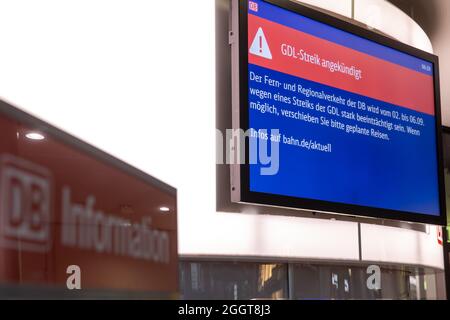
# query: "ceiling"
{"points": [[424, 12]]}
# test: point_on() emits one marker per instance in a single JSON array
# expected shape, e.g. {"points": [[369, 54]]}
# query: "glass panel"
{"points": [[324, 282], [307, 281], [311, 281], [233, 281]]}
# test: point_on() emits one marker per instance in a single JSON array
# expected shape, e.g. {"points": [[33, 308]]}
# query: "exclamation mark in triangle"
{"points": [[260, 47]]}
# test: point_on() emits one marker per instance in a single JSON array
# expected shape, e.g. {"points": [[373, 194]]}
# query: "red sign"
{"points": [[64, 203], [302, 55], [440, 236]]}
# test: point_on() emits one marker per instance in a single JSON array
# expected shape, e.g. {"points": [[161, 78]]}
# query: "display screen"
{"points": [[355, 120]]}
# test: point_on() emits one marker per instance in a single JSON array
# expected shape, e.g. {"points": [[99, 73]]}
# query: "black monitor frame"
{"points": [[240, 173]]}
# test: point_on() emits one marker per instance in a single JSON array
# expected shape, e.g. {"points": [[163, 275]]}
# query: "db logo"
{"points": [[253, 6], [25, 205]]}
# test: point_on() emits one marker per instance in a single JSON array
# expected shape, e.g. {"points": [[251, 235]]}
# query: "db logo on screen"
{"points": [[25, 210], [253, 6]]}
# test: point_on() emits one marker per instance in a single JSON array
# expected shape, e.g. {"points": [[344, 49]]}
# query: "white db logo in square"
{"points": [[253, 6], [25, 205]]}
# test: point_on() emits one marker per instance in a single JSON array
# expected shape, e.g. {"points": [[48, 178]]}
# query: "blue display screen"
{"points": [[344, 119]]}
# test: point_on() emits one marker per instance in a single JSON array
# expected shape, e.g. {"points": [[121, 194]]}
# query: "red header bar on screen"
{"points": [[380, 79]]}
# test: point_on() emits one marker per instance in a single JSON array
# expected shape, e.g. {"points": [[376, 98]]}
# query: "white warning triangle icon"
{"points": [[260, 47]]}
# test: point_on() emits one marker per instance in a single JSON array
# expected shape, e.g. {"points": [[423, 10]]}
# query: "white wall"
{"points": [[381, 15], [385, 17], [382, 244], [342, 7], [441, 45], [137, 79]]}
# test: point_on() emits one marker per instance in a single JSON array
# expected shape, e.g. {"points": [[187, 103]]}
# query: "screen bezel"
{"points": [[247, 196]]}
